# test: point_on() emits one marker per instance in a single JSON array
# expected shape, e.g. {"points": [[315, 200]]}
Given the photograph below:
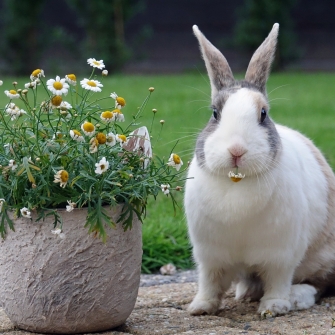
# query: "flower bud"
{"points": [[154, 110], [1, 82], [178, 188], [104, 73], [162, 122], [14, 83], [19, 90], [151, 89], [25, 91]]}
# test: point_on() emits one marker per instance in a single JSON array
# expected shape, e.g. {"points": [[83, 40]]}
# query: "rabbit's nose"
{"points": [[237, 151]]}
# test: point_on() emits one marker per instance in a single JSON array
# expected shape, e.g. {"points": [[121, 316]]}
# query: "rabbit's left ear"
{"points": [[260, 63]]}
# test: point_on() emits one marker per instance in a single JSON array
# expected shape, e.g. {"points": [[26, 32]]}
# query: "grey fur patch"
{"points": [[260, 63], [273, 136], [218, 69], [199, 147]]}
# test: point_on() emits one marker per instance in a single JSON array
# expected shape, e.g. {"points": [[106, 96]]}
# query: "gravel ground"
{"points": [[161, 309]]}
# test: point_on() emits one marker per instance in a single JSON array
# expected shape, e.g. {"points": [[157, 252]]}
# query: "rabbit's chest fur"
{"points": [[272, 217]]}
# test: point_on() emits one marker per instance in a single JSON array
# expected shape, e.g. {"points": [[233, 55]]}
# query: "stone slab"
{"points": [[161, 310]]}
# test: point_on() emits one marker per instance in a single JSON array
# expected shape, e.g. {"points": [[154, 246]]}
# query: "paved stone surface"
{"points": [[161, 310]]}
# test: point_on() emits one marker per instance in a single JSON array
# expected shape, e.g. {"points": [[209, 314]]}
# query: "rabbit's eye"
{"points": [[263, 114], [215, 113]]}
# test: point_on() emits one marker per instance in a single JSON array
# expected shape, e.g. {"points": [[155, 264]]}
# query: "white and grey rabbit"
{"points": [[272, 233]]}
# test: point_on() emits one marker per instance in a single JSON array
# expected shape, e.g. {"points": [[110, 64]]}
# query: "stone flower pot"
{"points": [[77, 284]]}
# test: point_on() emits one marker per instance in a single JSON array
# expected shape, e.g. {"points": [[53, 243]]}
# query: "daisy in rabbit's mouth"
{"points": [[236, 177]]}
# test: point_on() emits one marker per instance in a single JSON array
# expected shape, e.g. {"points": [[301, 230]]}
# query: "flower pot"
{"points": [[74, 284]]}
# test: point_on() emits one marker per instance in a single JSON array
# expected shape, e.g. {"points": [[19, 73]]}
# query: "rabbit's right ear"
{"points": [[219, 72]]}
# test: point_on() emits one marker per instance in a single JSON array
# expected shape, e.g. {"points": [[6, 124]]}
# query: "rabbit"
{"points": [[272, 233]]}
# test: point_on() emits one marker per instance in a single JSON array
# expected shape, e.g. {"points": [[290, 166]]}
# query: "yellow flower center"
{"points": [[235, 179], [76, 132], [96, 63], [123, 138], [88, 126], [91, 83], [117, 111], [56, 100], [121, 101], [12, 92], [176, 159], [94, 142], [101, 138], [72, 77], [107, 114], [36, 72], [64, 176], [57, 85]]}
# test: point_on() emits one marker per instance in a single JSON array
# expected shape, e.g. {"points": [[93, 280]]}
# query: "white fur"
{"points": [[263, 223]]}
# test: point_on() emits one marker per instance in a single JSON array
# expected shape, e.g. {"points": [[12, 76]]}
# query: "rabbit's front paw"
{"points": [[273, 307], [200, 307], [302, 296]]}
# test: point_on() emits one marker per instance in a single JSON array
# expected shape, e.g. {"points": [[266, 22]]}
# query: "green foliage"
{"points": [[54, 154], [165, 237], [255, 20]]}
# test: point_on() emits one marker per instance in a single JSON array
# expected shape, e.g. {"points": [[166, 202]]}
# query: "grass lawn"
{"points": [[305, 102]]}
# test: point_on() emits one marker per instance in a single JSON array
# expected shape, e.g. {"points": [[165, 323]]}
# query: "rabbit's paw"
{"points": [[272, 307], [302, 296], [200, 307]]}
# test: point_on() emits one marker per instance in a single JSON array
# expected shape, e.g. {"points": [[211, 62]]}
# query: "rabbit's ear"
{"points": [[219, 72], [260, 63]]}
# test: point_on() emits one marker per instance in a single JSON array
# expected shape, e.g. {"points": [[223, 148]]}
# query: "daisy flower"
{"points": [[38, 73], [12, 110], [58, 86], [58, 232], [64, 106], [165, 189], [31, 85], [88, 128], [121, 139], [61, 177], [2, 201], [25, 212], [16, 113], [101, 138], [118, 115], [175, 161], [12, 164], [94, 143], [12, 94], [71, 79], [235, 177], [56, 101], [71, 205], [96, 63], [107, 116], [76, 135], [119, 101], [102, 166], [57, 136], [65, 115], [110, 139], [92, 85]]}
